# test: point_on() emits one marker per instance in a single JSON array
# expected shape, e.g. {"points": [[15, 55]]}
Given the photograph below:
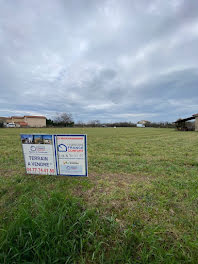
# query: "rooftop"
{"points": [[186, 119], [35, 116]]}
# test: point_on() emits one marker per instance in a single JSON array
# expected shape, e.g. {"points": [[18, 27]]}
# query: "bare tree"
{"points": [[94, 123], [79, 124], [64, 119]]}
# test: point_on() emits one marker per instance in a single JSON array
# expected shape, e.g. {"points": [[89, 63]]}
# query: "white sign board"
{"points": [[55, 154]]}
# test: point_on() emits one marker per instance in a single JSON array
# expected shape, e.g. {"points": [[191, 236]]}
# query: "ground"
{"points": [[139, 203]]}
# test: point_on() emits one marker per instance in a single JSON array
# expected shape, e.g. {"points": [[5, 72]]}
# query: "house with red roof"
{"points": [[26, 121]]}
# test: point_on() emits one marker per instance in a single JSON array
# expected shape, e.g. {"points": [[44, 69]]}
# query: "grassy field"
{"points": [[138, 205]]}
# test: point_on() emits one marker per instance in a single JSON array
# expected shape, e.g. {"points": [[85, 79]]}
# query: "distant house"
{"points": [[142, 123], [23, 124], [35, 121], [26, 121]]}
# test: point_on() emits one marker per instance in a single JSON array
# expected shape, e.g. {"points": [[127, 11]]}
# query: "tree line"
{"points": [[66, 120]]}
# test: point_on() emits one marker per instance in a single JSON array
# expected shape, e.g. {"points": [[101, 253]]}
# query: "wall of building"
{"points": [[9, 120], [17, 119], [196, 123], [140, 125], [35, 122]]}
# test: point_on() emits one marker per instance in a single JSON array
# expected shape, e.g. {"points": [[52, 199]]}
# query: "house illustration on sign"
{"points": [[62, 148]]}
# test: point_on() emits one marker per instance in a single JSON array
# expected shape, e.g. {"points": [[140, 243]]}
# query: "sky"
{"points": [[107, 60]]}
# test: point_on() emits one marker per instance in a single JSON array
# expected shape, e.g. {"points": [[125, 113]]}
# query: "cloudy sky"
{"points": [[109, 60]]}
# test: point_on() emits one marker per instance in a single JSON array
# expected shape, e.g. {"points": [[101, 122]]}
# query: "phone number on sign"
{"points": [[38, 170]]}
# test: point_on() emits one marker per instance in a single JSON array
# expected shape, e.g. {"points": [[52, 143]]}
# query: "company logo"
{"points": [[70, 162], [37, 149], [33, 148], [40, 148], [70, 168], [62, 148]]}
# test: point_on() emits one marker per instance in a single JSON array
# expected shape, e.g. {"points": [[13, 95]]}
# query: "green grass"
{"points": [[138, 205]]}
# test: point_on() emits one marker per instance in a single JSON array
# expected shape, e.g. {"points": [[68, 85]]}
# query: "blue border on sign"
{"points": [[55, 155], [86, 163]]}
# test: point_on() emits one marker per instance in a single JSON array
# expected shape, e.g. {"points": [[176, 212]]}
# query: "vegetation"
{"points": [[61, 120], [160, 124], [49, 122], [138, 205], [121, 124], [66, 120], [97, 123]]}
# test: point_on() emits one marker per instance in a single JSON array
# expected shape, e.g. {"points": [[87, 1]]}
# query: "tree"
{"points": [[94, 123], [64, 119], [49, 122], [2, 121], [80, 124]]}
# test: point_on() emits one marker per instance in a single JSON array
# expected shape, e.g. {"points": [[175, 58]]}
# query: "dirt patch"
{"points": [[9, 172], [118, 178], [111, 192]]}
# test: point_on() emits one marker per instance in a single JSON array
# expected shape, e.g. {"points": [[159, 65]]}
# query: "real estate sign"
{"points": [[55, 154]]}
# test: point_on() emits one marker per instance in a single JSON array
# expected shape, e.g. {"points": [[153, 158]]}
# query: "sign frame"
{"points": [[86, 160], [55, 153]]}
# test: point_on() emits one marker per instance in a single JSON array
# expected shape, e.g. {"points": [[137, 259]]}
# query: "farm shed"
{"points": [[185, 125]]}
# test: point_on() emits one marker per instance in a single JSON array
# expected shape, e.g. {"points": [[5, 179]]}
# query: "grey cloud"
{"points": [[175, 85], [107, 59]]}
